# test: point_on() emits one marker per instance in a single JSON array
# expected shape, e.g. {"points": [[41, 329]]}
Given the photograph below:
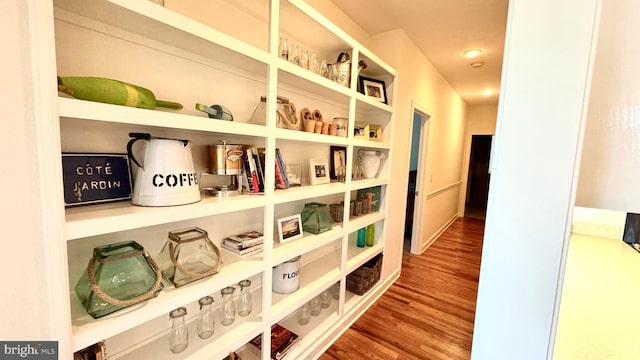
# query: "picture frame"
{"points": [[289, 228], [93, 178], [373, 88], [319, 171], [361, 130], [338, 162], [375, 133]]}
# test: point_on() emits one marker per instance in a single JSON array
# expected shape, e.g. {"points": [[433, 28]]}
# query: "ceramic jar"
{"points": [[370, 161]]}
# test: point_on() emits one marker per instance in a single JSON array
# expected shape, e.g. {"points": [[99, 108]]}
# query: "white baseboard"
{"points": [[433, 237]]}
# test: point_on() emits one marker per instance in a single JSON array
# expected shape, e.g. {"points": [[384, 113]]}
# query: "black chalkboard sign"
{"points": [[91, 178]]}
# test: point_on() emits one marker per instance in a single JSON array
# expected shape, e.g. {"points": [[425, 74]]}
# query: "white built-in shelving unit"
{"points": [[223, 52]]}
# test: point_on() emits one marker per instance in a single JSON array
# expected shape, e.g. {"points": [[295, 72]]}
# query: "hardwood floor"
{"points": [[428, 312]]}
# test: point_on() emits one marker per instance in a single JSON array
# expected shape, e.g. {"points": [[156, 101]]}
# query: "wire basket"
{"points": [[363, 278]]}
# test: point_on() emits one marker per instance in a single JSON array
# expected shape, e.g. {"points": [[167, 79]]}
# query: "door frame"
{"points": [[423, 169], [466, 162]]}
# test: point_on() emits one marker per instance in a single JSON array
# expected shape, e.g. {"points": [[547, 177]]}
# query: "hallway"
{"points": [[428, 313]]}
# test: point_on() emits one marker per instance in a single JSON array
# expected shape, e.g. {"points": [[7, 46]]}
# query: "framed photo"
{"points": [[338, 161], [374, 88], [289, 228], [361, 130], [375, 132], [319, 171]]}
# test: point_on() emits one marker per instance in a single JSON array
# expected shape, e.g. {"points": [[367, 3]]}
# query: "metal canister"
{"points": [[226, 159], [285, 276]]}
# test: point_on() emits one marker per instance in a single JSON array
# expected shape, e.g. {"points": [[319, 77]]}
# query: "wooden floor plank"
{"points": [[428, 313]]}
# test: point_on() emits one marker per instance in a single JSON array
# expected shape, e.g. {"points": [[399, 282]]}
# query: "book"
{"points": [[259, 168], [283, 169], [280, 183], [243, 252], [253, 179], [245, 240], [283, 342]]}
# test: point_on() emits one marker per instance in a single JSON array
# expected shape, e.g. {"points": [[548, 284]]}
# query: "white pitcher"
{"points": [[167, 176], [370, 161]]}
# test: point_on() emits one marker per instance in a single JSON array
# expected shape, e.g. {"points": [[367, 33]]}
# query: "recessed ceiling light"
{"points": [[471, 53], [488, 92], [477, 64]]}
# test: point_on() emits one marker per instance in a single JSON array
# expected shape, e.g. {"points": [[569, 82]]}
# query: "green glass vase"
{"points": [[118, 276]]}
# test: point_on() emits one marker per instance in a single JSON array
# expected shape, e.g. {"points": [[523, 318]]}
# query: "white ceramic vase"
{"points": [[370, 161]]}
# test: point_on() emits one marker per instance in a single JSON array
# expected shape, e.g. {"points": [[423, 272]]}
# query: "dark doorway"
{"points": [[478, 180]]}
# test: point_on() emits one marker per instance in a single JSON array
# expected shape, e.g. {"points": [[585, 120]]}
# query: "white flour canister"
{"points": [[285, 276]]}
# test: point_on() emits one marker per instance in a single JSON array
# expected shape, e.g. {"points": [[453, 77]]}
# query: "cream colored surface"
{"points": [[598, 222], [598, 313], [611, 156]]}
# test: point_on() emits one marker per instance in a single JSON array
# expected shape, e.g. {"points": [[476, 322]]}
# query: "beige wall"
{"points": [[481, 119], [610, 166], [419, 82]]}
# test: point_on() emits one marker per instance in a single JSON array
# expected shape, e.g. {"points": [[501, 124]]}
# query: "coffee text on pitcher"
{"points": [[173, 180]]}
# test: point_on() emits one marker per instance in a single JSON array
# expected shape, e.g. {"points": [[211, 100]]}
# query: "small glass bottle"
{"points": [[316, 306], [335, 291], [324, 69], [305, 59], [362, 237], [179, 337], [371, 234], [325, 299], [283, 50], [206, 318], [244, 299], [304, 314], [228, 306], [295, 55]]}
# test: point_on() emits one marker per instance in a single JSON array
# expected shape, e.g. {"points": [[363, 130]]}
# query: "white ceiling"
{"points": [[442, 30]]}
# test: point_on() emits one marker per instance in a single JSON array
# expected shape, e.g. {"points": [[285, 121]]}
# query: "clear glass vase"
{"points": [[189, 255]]}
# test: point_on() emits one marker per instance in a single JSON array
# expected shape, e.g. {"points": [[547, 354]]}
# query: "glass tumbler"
{"points": [[179, 336], [316, 306], [325, 299], [206, 318], [244, 299], [304, 314], [335, 291]]}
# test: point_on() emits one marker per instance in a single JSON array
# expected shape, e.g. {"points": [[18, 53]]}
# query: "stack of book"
{"points": [[254, 164], [245, 243], [283, 342]]}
